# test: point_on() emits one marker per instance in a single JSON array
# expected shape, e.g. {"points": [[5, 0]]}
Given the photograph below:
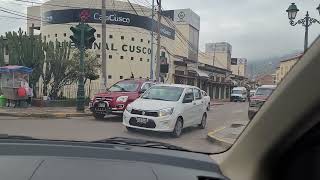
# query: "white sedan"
{"points": [[167, 108]]}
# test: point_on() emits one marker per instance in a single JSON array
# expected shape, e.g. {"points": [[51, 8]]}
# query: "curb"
{"points": [[46, 115], [214, 139]]}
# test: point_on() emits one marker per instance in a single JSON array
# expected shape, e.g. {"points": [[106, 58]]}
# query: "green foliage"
{"points": [[60, 66], [91, 64], [25, 50]]}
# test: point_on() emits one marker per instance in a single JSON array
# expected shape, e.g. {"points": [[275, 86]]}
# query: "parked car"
{"points": [[167, 108], [261, 96], [238, 94], [118, 96], [207, 99]]}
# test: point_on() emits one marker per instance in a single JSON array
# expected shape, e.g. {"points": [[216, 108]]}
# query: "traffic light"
{"points": [[76, 37], [89, 36]]}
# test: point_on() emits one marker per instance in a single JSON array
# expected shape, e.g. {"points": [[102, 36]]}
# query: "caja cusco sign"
{"points": [[112, 17]]}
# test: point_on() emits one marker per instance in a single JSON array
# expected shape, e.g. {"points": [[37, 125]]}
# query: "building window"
{"points": [[131, 58], [98, 55], [110, 56], [141, 40], [48, 35], [110, 36], [122, 37], [55, 35], [148, 41], [98, 35], [140, 59], [148, 60], [64, 34], [121, 57], [121, 77], [132, 39], [44, 37], [109, 77]]}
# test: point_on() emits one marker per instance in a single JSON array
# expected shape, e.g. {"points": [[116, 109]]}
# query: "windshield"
{"points": [[188, 83], [263, 92], [124, 86], [236, 92], [165, 93]]}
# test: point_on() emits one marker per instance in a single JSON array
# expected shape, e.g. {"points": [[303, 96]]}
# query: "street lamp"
{"points": [[305, 22]]}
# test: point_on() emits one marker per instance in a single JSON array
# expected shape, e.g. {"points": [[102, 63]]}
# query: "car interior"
{"points": [[282, 141]]}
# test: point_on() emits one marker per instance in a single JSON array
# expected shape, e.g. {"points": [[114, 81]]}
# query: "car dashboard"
{"points": [[52, 160]]}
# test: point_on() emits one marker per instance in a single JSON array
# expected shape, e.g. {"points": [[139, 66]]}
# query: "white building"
{"points": [[128, 34]]}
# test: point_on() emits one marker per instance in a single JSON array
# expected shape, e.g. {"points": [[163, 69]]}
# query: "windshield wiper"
{"points": [[139, 142]]}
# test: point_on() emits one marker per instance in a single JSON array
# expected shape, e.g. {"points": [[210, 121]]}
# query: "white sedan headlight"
{"points": [[122, 99], [165, 112], [129, 108]]}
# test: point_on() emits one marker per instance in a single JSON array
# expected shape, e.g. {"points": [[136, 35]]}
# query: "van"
{"points": [[239, 94]]}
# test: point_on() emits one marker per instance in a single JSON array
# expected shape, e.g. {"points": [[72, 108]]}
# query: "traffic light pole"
{"points": [[81, 93]]}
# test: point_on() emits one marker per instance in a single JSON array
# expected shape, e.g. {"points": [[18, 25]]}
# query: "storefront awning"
{"points": [[199, 72]]}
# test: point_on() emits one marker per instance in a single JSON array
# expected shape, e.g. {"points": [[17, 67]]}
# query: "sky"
{"points": [[256, 29]]}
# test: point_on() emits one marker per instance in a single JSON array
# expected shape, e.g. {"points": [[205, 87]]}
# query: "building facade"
{"points": [[285, 66], [239, 66], [267, 79], [221, 53], [128, 45]]}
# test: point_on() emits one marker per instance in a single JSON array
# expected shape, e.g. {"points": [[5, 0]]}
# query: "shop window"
{"points": [[64, 34], [121, 77], [121, 57], [122, 37], [98, 35], [110, 56], [132, 58], [110, 36], [141, 40], [109, 77], [132, 39]]}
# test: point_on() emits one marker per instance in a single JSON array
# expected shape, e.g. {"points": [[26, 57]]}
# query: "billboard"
{"points": [[113, 17]]}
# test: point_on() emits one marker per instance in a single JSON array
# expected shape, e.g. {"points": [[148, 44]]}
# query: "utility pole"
{"points": [[103, 82], [80, 93], [151, 58], [158, 43]]}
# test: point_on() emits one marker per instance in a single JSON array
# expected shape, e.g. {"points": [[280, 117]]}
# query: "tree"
{"points": [[62, 67], [2, 48], [91, 66], [25, 50]]}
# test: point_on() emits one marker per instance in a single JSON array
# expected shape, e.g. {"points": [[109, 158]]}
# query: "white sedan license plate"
{"points": [[102, 105], [142, 120]]}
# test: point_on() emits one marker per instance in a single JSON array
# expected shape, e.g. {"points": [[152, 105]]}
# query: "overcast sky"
{"points": [[256, 29]]}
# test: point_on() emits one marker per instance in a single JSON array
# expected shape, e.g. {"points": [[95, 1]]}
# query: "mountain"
{"points": [[267, 65]]}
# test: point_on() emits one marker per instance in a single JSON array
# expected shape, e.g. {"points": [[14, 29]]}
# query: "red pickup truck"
{"points": [[117, 97]]}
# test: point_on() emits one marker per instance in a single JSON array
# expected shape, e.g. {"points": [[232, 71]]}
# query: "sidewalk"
{"points": [[43, 112], [227, 135], [219, 102]]}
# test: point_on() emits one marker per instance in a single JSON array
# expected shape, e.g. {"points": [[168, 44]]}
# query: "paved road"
{"points": [[87, 128]]}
